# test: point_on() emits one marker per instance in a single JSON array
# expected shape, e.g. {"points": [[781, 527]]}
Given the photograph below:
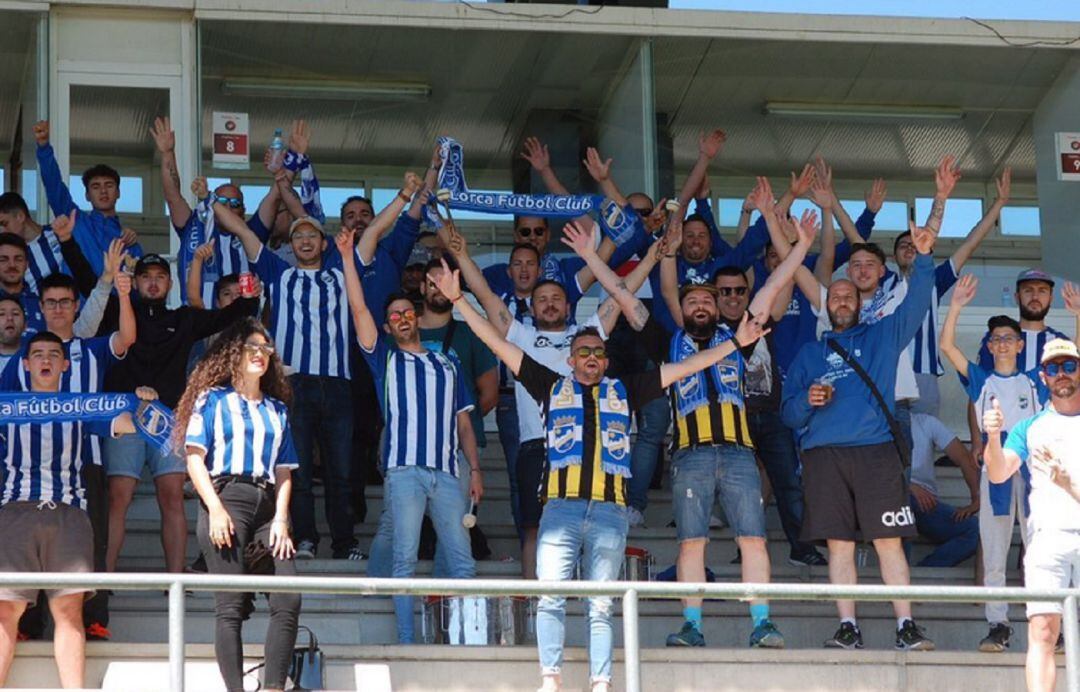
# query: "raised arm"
{"points": [[56, 190], [710, 144], [63, 227], [800, 185], [234, 225], [986, 223], [962, 294], [297, 161], [93, 310], [203, 254], [165, 140], [367, 332], [1071, 293], [669, 271], [287, 194], [749, 331], [449, 283], [495, 309], [125, 337], [1001, 463], [583, 243], [385, 218], [600, 170], [807, 230], [826, 259], [945, 178], [536, 153]]}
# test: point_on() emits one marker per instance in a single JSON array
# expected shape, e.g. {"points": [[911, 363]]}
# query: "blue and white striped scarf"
{"points": [[566, 426], [691, 393]]}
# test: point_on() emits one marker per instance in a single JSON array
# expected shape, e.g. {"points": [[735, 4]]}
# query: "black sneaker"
{"points": [[998, 639], [910, 637], [808, 559], [847, 637]]}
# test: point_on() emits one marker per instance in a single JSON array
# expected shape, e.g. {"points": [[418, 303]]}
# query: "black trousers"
{"points": [[252, 510]]}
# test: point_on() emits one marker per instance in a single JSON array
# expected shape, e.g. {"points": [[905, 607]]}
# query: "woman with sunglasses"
{"points": [[233, 421]]}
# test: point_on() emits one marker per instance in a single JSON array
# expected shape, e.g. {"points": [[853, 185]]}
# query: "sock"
{"points": [[850, 621], [759, 613], [900, 623], [693, 615]]}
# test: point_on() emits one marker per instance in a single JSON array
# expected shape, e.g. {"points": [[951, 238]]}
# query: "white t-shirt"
{"points": [[929, 434], [1052, 507], [547, 348]]}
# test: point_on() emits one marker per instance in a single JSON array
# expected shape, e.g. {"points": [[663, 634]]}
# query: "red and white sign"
{"points": [[1068, 154], [231, 149]]}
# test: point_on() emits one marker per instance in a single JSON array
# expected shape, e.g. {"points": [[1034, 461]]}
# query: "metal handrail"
{"points": [[629, 591]]}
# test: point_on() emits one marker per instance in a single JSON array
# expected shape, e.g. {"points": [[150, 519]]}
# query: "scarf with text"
{"points": [[691, 393], [566, 426]]}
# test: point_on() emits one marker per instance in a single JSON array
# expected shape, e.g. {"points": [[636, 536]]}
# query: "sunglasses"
{"points": [[732, 290], [527, 231], [233, 202], [644, 211], [586, 351], [398, 315], [1069, 367], [254, 349]]}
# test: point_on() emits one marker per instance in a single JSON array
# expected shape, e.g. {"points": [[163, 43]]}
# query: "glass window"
{"points": [[131, 194], [961, 215], [1021, 221], [333, 197], [892, 217], [730, 211], [30, 187]]}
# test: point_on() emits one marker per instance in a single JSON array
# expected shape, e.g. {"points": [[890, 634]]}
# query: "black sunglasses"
{"points": [[728, 290], [526, 231], [234, 202]]}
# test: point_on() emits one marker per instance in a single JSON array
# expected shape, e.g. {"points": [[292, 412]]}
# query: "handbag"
{"points": [[308, 668], [890, 419]]}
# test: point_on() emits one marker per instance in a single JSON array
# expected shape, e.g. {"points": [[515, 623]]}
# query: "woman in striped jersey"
{"points": [[234, 423]]}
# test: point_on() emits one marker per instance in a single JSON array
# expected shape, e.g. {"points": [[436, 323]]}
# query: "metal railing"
{"points": [[630, 592]]}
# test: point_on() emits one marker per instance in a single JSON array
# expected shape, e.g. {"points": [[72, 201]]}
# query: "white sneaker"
{"points": [[635, 517], [305, 550]]}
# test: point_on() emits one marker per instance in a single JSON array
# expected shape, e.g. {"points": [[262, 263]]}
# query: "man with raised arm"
{"points": [[853, 473], [425, 403], [1047, 447], [95, 229], [587, 442]]}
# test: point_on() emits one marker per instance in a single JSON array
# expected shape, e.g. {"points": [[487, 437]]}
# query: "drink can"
{"points": [[247, 284]]}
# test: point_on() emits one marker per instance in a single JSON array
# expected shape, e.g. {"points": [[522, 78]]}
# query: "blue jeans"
{"points": [[699, 474], [322, 412], [411, 491], [506, 417], [957, 540], [775, 446], [597, 532], [653, 420]]}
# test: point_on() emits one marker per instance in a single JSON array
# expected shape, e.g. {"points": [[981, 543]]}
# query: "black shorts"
{"points": [[532, 456], [853, 492]]}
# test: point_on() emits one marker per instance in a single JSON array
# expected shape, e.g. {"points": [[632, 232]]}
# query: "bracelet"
{"points": [[747, 212], [404, 197], [459, 297], [738, 346], [674, 254]]}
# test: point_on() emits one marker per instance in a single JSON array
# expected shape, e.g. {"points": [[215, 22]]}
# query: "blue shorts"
{"points": [[699, 473], [126, 456]]}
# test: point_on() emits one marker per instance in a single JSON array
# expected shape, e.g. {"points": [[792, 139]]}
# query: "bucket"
{"points": [[478, 620]]}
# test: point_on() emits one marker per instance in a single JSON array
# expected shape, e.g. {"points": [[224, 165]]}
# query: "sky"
{"points": [[1050, 10]]}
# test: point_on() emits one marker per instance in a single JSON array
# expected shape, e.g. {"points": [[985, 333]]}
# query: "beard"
{"points": [[844, 322], [1064, 390], [439, 306], [701, 330], [1031, 315], [549, 325]]}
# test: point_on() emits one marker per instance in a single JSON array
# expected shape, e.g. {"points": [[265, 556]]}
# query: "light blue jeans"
{"points": [[411, 491], [597, 532]]}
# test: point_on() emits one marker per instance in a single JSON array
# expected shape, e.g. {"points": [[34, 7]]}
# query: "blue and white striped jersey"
{"points": [[420, 395], [241, 437], [44, 258], [1034, 343], [229, 256], [309, 314], [43, 461]]}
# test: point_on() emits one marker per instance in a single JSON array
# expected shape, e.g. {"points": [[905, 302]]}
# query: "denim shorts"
{"points": [[698, 474], [126, 456]]}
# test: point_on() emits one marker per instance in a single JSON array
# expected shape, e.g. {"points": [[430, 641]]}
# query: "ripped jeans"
{"points": [[597, 532]]}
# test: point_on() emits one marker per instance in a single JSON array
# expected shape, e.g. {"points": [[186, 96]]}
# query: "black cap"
{"points": [[151, 260]]}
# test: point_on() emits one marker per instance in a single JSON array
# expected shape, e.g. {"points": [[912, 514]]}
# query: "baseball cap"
{"points": [[1059, 348], [1034, 274], [151, 260], [689, 286], [306, 221]]}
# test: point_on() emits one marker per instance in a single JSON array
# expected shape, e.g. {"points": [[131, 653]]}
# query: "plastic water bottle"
{"points": [[277, 152], [1006, 297]]}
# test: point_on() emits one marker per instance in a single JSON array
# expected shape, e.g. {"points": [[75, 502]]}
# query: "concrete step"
{"points": [[515, 669]]}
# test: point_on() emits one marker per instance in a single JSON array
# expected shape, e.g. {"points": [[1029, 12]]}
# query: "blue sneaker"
{"points": [[687, 636], [766, 636]]}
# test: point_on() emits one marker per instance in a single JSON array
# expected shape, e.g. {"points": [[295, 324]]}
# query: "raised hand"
{"points": [[580, 240], [205, 252], [1045, 461], [536, 153], [299, 136], [710, 144], [436, 157], [946, 176], [448, 282], [122, 282], [923, 238], [672, 240], [761, 197], [453, 240], [412, 184], [344, 241], [750, 330], [598, 168], [200, 188], [41, 132], [807, 227], [1004, 186], [657, 217], [129, 236], [875, 197], [993, 420], [63, 226], [113, 260], [163, 135], [801, 183], [1071, 293], [703, 189], [964, 290]]}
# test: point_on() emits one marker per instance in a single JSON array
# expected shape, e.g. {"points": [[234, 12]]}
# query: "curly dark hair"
{"points": [[221, 366]]}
